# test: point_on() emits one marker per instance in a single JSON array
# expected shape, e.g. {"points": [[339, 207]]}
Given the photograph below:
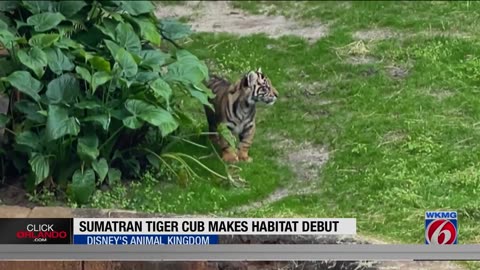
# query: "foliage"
{"points": [[89, 80]]}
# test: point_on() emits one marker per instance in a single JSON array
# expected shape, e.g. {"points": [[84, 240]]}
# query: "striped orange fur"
{"points": [[234, 105]]}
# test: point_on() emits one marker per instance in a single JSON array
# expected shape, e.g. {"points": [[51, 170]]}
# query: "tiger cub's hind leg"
{"points": [[246, 140]]}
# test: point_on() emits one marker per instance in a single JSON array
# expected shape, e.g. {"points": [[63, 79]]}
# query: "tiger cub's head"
{"points": [[260, 88]]}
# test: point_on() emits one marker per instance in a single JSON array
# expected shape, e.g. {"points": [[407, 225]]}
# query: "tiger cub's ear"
{"points": [[251, 78]]}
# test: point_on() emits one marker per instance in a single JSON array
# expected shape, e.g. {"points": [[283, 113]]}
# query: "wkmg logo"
{"points": [[441, 227]]}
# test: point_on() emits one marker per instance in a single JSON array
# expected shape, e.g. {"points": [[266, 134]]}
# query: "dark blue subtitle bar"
{"points": [[145, 239]]}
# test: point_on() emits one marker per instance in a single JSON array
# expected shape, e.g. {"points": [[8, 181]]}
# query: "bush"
{"points": [[87, 81]]}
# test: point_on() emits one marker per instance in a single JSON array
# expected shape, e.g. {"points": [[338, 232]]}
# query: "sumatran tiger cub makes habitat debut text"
{"points": [[234, 106]]}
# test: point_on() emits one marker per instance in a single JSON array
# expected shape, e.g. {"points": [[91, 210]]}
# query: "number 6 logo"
{"points": [[441, 232]]}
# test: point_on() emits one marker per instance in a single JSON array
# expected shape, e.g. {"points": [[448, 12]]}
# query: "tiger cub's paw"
{"points": [[244, 157], [229, 157]]}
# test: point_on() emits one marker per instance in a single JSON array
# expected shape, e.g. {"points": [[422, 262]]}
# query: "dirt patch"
{"points": [[397, 72], [440, 94], [220, 16], [305, 160], [374, 34], [361, 60]]}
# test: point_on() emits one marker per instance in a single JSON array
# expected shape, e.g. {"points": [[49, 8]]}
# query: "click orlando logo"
{"points": [[441, 228]]}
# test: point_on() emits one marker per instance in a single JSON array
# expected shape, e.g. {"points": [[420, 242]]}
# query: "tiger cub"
{"points": [[235, 106]]}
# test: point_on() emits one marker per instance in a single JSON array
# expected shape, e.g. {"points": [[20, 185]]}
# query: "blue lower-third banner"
{"points": [[142, 239]]}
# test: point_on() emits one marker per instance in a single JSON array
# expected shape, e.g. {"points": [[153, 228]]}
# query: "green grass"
{"points": [[400, 147]]}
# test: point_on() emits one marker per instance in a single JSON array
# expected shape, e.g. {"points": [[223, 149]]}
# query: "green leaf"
{"points": [[161, 89], [59, 124], [67, 43], [100, 78], [175, 30], [29, 139], [101, 168], [225, 133], [25, 83], [30, 110], [45, 21], [87, 147], [153, 59], [132, 122], [70, 8], [84, 74], [39, 6], [149, 30], [63, 89], [35, 59], [99, 63], [153, 115], [127, 38], [88, 104], [40, 167], [102, 119], [126, 61], [9, 5], [58, 61], [83, 185], [146, 76], [200, 96], [187, 68], [112, 47], [43, 40], [136, 7], [114, 176], [3, 120], [7, 39]]}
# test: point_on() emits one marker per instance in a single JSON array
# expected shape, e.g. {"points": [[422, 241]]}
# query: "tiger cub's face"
{"points": [[261, 88]]}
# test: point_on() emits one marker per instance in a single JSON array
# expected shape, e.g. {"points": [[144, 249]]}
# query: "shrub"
{"points": [[86, 81]]}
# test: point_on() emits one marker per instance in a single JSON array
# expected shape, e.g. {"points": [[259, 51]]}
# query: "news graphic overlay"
{"points": [[441, 228], [36, 230], [183, 231]]}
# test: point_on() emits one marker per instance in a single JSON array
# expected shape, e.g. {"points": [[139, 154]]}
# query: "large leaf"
{"points": [[100, 78], [127, 38], [136, 7], [60, 124], [83, 185], [40, 167], [101, 168], [114, 176], [149, 30], [161, 89], [112, 47], [35, 59], [126, 61], [43, 40], [187, 68], [7, 5], [25, 83], [58, 61], [174, 30], [132, 122], [28, 139], [102, 119], [63, 89], [31, 111], [99, 63], [87, 147], [39, 6], [153, 59], [45, 21], [88, 104], [153, 115], [84, 73], [70, 8], [200, 95]]}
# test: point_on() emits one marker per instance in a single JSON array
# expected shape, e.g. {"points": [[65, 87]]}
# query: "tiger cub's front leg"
{"points": [[246, 140]]}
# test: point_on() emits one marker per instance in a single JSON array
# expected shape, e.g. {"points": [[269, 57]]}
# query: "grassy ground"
{"points": [[403, 127]]}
